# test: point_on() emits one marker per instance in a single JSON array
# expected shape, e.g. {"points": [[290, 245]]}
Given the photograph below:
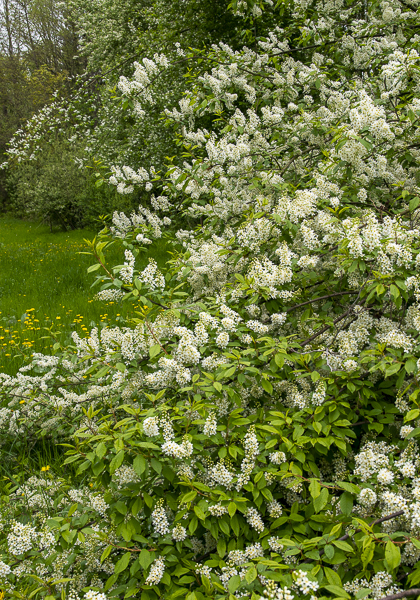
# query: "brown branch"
{"points": [[124, 548], [376, 522], [347, 535], [324, 329], [412, 592], [340, 318], [320, 298], [155, 338]]}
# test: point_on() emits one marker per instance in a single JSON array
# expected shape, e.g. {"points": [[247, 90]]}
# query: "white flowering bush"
{"points": [[253, 431]]}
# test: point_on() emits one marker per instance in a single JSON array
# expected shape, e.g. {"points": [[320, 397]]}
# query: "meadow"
{"points": [[46, 292]]}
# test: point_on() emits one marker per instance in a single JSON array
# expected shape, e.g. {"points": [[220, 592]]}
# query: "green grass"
{"points": [[45, 290]]}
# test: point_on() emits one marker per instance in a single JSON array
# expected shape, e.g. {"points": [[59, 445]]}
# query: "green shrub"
{"points": [[57, 188]]}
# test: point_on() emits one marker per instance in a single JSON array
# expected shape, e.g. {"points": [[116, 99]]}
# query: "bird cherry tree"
{"points": [[252, 433]]}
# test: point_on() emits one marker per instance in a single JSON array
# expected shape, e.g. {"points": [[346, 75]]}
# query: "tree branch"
{"points": [[412, 592], [320, 298], [346, 537]]}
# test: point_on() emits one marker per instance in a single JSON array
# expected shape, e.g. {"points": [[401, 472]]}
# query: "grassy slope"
{"points": [[44, 288]]}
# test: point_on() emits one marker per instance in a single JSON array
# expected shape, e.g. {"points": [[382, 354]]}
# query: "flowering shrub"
{"points": [[253, 432]]}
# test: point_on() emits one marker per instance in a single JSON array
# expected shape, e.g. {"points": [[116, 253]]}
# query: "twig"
{"points": [[320, 298], [155, 338], [346, 537], [412, 592]]}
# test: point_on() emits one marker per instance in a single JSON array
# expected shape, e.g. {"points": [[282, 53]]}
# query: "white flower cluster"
{"points": [[210, 425], [278, 457], [160, 519], [304, 584], [21, 538], [217, 510], [254, 519], [151, 426], [5, 570], [251, 452], [92, 595], [179, 533], [371, 459], [183, 450], [378, 585], [156, 571]]}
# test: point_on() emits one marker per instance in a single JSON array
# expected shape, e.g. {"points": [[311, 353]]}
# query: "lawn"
{"points": [[45, 290]]}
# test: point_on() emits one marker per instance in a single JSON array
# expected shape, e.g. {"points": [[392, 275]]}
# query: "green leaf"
{"points": [[154, 350], [395, 292], [251, 574], [145, 558], [415, 542], [193, 524], [221, 547], [156, 465], [279, 359], [414, 578], [343, 546], [414, 202], [392, 556], [116, 462], [412, 414], [410, 365], [366, 144], [106, 553], [267, 386], [229, 372], [349, 487], [102, 372], [234, 583], [321, 500], [85, 465], [200, 514], [367, 554], [188, 497], [413, 433], [346, 503], [139, 464], [93, 268], [224, 527], [122, 564], [314, 488], [362, 593], [100, 450], [332, 577], [394, 368], [121, 507], [338, 591]]}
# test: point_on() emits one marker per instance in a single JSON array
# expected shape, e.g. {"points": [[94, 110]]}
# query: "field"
{"points": [[45, 290]]}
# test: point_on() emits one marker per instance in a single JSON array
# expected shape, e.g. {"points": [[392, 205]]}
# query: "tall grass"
{"points": [[45, 290]]}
